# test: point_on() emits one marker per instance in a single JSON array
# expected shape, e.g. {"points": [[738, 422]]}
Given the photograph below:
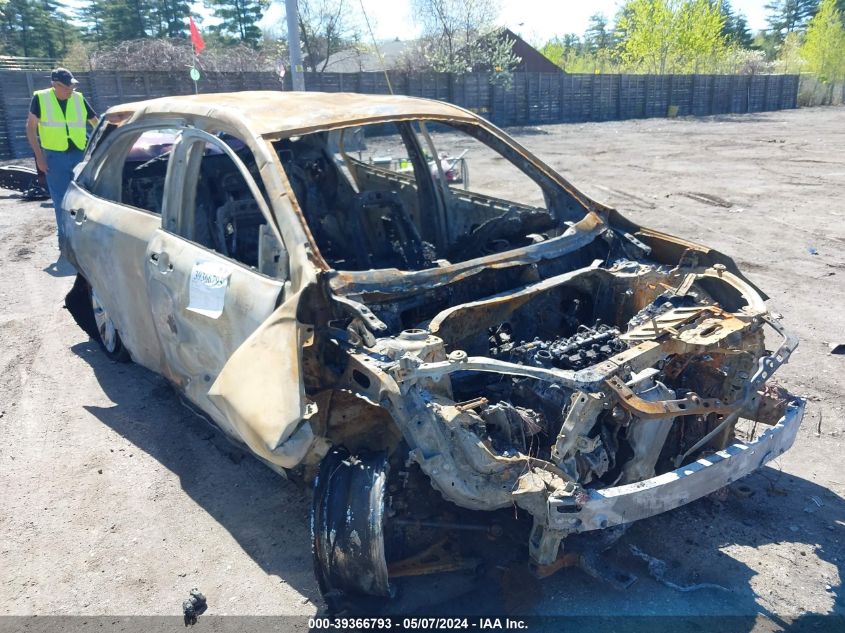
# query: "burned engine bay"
{"points": [[588, 399], [540, 357]]}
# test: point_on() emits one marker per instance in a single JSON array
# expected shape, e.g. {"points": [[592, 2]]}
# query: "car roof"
{"points": [[276, 113]]}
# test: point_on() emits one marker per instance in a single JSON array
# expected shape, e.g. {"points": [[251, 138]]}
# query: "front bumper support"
{"points": [[624, 504]]}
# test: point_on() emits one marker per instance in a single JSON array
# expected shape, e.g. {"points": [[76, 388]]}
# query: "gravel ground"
{"points": [[117, 500]]}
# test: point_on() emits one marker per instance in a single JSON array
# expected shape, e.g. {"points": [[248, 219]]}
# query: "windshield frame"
{"points": [[588, 217]]}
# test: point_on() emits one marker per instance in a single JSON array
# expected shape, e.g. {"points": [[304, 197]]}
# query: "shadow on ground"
{"points": [[266, 515], [60, 268], [766, 509]]}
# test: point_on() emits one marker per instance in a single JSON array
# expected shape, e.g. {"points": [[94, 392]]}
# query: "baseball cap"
{"points": [[63, 76]]}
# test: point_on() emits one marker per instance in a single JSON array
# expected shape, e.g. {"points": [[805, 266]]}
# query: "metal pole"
{"points": [[296, 70]]}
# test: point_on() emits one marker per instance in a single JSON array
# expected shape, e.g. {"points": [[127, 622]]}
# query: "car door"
{"points": [[215, 270], [112, 210]]}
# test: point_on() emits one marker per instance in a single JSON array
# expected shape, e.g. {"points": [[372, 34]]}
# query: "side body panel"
{"points": [[197, 344], [107, 242]]}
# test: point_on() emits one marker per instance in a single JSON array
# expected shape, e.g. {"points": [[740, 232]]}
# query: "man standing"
{"points": [[59, 115]]}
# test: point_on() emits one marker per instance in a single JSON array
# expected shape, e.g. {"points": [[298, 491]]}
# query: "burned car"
{"points": [[427, 352]]}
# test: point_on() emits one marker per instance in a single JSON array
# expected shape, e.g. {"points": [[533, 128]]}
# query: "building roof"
{"points": [[272, 113], [532, 60]]}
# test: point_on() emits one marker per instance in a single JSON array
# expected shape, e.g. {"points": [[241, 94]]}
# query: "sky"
{"points": [[534, 20]]}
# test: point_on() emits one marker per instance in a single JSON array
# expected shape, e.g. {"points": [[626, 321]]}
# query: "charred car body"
{"points": [[391, 334]]}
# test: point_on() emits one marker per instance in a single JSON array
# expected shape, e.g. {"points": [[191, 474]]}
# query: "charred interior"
{"points": [[376, 197]]}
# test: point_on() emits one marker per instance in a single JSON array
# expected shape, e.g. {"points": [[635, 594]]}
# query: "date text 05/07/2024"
{"points": [[418, 623]]}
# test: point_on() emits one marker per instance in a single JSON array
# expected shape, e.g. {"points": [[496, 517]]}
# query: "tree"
{"points": [[461, 36], [238, 19], [125, 20], [92, 16], [34, 28], [647, 29], [169, 18], [824, 44], [735, 27], [326, 27], [768, 42], [665, 36], [787, 16], [563, 51], [598, 36]]}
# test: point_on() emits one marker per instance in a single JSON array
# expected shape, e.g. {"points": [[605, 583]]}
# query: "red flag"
{"points": [[196, 38]]}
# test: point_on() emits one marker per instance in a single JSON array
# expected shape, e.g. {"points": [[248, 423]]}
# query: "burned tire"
{"points": [[89, 313], [107, 335], [347, 531]]}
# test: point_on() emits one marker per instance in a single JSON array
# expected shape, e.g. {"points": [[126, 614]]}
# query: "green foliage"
{"points": [[109, 22], [768, 42], [564, 52], [237, 20], [34, 28], [125, 19], [661, 37], [672, 36], [598, 35], [575, 56], [169, 18], [789, 55], [824, 44]]}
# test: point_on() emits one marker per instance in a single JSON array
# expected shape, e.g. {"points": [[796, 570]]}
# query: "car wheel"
{"points": [[107, 335], [347, 531]]}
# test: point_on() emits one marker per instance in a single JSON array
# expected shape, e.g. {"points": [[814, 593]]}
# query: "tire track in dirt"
{"points": [[17, 356]]}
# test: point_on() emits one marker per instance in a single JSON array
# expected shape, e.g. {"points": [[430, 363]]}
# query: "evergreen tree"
{"points": [[169, 18], [788, 16], [109, 22], [735, 27], [34, 28], [126, 20], [238, 19], [597, 36], [92, 16]]}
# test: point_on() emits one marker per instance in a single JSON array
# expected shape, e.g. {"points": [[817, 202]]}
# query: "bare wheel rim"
{"points": [[105, 326]]}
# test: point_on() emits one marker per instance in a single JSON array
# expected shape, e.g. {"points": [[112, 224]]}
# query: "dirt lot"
{"points": [[116, 500]]}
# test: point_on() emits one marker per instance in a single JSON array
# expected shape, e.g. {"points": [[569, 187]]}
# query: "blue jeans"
{"points": [[59, 174]]}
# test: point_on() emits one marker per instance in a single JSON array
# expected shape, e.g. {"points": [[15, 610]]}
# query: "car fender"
{"points": [[261, 392]]}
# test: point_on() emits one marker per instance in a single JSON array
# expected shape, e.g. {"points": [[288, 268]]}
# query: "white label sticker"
{"points": [[207, 293]]}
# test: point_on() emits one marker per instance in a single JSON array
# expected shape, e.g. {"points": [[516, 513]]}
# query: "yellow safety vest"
{"points": [[56, 127]]}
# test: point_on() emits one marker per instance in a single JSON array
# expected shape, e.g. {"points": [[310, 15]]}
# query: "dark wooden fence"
{"points": [[529, 99]]}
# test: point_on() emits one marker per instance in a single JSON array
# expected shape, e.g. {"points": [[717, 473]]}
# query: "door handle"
{"points": [[162, 261], [78, 215]]}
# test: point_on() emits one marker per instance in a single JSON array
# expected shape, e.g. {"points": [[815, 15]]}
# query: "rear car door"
{"points": [[215, 270], [112, 211]]}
